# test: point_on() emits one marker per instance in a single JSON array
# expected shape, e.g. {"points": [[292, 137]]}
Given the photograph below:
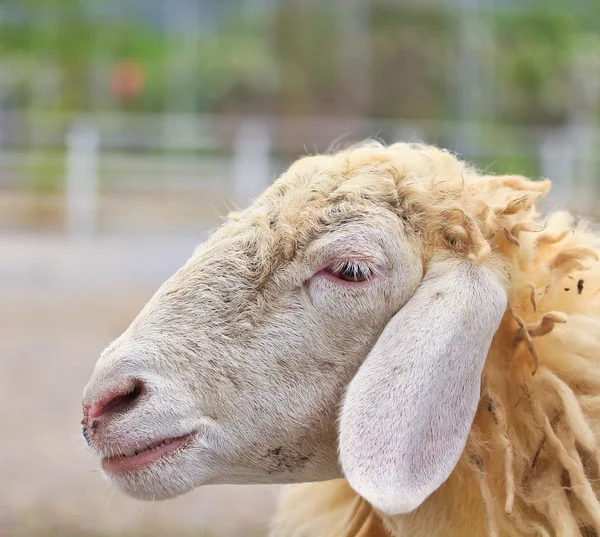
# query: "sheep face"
{"points": [[240, 360], [365, 275]]}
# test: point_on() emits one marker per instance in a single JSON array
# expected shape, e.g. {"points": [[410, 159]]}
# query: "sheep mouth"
{"points": [[136, 459]]}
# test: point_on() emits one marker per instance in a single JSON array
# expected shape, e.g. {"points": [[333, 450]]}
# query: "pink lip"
{"points": [[121, 463]]}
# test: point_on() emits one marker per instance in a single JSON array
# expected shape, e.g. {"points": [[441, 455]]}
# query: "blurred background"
{"points": [[128, 128]]}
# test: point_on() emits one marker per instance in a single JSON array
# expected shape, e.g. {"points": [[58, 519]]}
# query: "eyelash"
{"points": [[352, 271]]}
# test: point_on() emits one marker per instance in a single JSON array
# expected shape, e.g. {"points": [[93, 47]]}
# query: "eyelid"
{"points": [[324, 251], [337, 265], [369, 268]]}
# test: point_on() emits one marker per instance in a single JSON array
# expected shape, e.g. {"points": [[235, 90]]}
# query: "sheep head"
{"points": [[337, 327]]}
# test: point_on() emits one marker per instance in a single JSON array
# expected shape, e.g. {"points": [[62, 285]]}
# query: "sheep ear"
{"points": [[408, 411]]}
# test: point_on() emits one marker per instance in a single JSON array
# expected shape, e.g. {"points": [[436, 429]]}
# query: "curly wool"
{"points": [[531, 465]]}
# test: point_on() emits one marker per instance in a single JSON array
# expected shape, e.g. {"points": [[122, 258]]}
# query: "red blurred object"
{"points": [[127, 79]]}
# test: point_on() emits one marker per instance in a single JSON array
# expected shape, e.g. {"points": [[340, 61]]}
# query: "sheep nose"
{"points": [[114, 401]]}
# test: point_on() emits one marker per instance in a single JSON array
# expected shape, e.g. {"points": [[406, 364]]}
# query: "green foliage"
{"points": [[305, 46], [287, 60], [533, 65], [410, 52]]}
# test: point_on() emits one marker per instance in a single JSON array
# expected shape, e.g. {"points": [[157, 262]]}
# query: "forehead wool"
{"points": [[448, 204]]}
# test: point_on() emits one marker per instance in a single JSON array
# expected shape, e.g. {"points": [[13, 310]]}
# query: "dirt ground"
{"points": [[52, 328]]}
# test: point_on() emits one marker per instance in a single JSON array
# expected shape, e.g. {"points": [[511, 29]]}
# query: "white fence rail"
{"points": [[235, 158]]}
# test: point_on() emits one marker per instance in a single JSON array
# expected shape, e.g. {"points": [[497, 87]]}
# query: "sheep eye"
{"points": [[352, 271]]}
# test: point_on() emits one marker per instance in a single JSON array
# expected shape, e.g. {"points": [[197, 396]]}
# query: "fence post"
{"points": [[583, 111], [557, 162], [81, 192], [251, 161]]}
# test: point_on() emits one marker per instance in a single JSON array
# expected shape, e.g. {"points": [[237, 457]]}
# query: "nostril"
{"points": [[115, 402]]}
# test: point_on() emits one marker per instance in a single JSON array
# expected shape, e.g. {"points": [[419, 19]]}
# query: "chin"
{"points": [[150, 485]]}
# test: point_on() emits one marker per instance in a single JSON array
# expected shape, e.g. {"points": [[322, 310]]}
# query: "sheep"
{"points": [[403, 340]]}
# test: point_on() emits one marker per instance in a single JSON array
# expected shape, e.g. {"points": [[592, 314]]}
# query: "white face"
{"points": [[303, 342], [243, 379]]}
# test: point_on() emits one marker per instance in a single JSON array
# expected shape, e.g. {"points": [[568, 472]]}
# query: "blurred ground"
{"points": [[61, 303]]}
